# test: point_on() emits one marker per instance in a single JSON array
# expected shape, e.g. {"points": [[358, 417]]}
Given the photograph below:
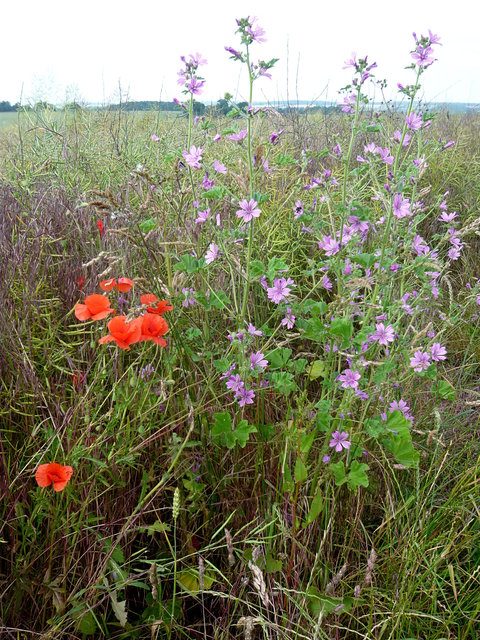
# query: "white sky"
{"points": [[64, 49]]}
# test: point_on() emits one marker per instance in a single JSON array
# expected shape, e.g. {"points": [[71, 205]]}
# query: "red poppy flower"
{"points": [[154, 326], [96, 307], [108, 285], [122, 332], [55, 473], [161, 306], [101, 229], [122, 284]]}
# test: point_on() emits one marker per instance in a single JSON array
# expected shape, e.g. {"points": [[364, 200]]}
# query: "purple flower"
{"points": [[326, 459], [384, 335], [420, 361], [235, 383], [206, 183], [414, 121], [193, 157], [244, 396], [401, 206], [280, 289], [258, 359], [248, 210], [202, 216], [423, 56], [217, 137], [347, 104], [326, 284], [349, 378], [155, 138], [195, 86], [255, 31], [253, 331], [438, 352], [298, 209], [289, 319], [448, 217], [329, 245], [274, 136], [212, 253], [339, 441], [238, 136], [236, 55], [219, 167], [189, 297]]}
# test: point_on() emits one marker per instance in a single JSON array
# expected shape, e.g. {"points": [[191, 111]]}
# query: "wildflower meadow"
{"points": [[239, 360]]}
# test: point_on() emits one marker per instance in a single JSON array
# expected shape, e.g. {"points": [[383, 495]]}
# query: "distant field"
{"points": [[7, 119]]}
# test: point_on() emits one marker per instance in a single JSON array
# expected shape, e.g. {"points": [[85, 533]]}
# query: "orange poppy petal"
{"points": [[103, 314], [41, 475], [160, 341], [107, 285], [148, 298], [81, 312], [124, 284], [106, 339]]}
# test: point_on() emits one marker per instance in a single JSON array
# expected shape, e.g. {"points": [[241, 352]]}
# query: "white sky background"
{"points": [[64, 49]]}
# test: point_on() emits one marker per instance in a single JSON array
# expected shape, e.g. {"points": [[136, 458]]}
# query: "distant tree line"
{"points": [[6, 106]]}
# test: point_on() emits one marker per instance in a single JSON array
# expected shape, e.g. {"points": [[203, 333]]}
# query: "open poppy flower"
{"points": [[122, 332], [96, 307], [55, 473], [154, 326], [122, 284], [160, 306]]}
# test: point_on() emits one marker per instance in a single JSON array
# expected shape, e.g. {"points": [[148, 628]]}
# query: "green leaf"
{"points": [[357, 476], [317, 370], [243, 431], [300, 364], [315, 329], [190, 581], [257, 268], [396, 421], [444, 390], [342, 327], [272, 565], [278, 358], [306, 441], [219, 299], [288, 484], [316, 508], [222, 429], [87, 624], [215, 193], [323, 421], [283, 382], [275, 265], [403, 451], [320, 604], [189, 264], [222, 365], [148, 225], [285, 160], [301, 472], [339, 473]]}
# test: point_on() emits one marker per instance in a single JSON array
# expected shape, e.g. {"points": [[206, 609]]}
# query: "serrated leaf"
{"points": [[257, 268], [243, 431], [397, 423], [444, 390], [148, 225], [342, 327], [306, 441], [403, 451], [189, 264], [357, 476], [278, 358]]}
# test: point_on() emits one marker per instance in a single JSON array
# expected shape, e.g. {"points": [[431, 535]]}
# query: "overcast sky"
{"points": [[61, 49]]}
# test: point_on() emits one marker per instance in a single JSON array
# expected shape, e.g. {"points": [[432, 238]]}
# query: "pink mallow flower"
{"points": [[329, 245], [244, 396], [258, 360], [438, 352], [248, 210], [349, 378], [420, 361], [383, 334], [212, 253], [280, 290], [339, 441], [219, 167], [289, 319], [193, 157]]}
